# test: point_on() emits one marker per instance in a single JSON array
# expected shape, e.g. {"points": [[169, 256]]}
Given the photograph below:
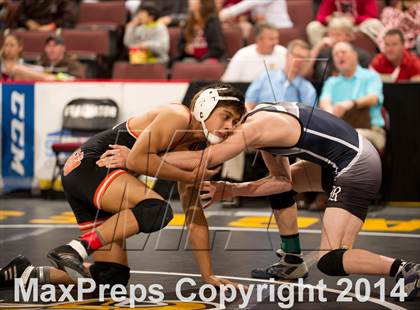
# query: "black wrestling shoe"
{"points": [[289, 267], [411, 274], [19, 267], [67, 259]]}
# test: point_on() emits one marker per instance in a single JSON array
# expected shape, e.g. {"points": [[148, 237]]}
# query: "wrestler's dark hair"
{"points": [[225, 90]]}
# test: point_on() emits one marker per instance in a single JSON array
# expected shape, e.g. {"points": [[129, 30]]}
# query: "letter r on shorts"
{"points": [[334, 193]]}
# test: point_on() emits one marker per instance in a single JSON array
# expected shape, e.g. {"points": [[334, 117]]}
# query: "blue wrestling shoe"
{"points": [[411, 274], [289, 267]]}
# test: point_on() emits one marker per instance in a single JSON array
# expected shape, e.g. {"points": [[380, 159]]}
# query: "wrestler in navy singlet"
{"points": [[325, 139], [351, 169]]}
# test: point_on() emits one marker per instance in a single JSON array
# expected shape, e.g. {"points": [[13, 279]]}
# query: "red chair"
{"points": [[197, 71], [174, 36], [87, 45], [233, 39], [33, 43], [109, 15], [301, 14], [126, 71], [363, 41]]}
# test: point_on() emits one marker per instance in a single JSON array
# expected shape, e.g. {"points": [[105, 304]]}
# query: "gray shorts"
{"points": [[355, 188]]}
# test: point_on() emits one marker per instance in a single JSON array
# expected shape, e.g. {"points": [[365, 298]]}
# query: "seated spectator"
{"points": [[271, 11], [395, 63], [320, 66], [242, 20], [11, 54], [285, 84], [202, 37], [12, 65], [248, 62], [56, 61], [146, 39], [46, 15], [363, 14], [355, 95], [403, 15], [245, 66], [5, 14], [173, 13]]}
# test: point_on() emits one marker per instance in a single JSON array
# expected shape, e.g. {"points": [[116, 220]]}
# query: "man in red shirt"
{"points": [[396, 63], [362, 13]]}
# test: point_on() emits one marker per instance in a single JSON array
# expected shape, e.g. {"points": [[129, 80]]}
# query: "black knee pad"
{"points": [[152, 215], [332, 263], [109, 273], [282, 200]]}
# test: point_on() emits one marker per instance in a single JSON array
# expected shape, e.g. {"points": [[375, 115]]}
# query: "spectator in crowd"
{"points": [[395, 63], [403, 15], [363, 14], [245, 66], [242, 20], [11, 54], [202, 37], [173, 13], [13, 66], [46, 15], [56, 61], [319, 66], [147, 39], [355, 95], [5, 14], [248, 62], [271, 11], [285, 84], [278, 84]]}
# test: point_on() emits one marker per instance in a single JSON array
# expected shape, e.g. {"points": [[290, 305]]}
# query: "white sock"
{"points": [[79, 248]]}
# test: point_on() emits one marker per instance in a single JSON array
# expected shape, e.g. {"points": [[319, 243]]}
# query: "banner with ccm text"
{"points": [[31, 119]]}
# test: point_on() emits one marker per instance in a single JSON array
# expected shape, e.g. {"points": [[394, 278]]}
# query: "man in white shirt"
{"points": [[250, 61], [245, 66]]}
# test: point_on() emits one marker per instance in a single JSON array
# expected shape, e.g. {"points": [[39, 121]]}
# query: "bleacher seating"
{"points": [[99, 30], [233, 40], [87, 45], [126, 71], [174, 35], [33, 43], [208, 71], [109, 15]]}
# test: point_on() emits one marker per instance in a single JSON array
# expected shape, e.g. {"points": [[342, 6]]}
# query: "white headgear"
{"points": [[204, 105]]}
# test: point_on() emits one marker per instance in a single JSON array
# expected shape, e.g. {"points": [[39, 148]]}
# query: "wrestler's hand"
{"points": [[215, 281], [115, 157], [202, 173], [215, 191]]}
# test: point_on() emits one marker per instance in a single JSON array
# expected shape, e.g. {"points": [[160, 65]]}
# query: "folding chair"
{"points": [[82, 118]]}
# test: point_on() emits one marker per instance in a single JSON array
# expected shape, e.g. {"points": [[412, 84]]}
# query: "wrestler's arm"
{"points": [[143, 158], [278, 181], [244, 136], [198, 234], [197, 226]]}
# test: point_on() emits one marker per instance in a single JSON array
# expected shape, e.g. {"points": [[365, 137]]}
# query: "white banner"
{"points": [[50, 99]]}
